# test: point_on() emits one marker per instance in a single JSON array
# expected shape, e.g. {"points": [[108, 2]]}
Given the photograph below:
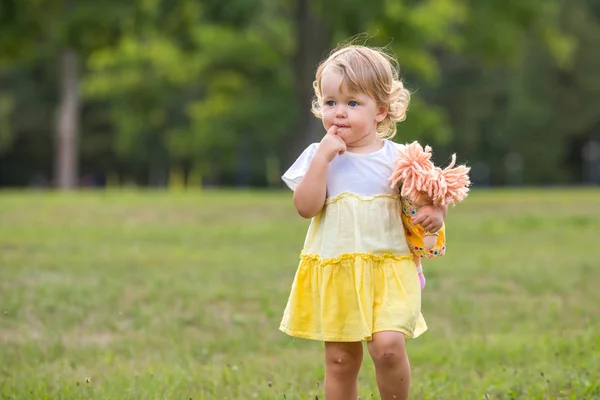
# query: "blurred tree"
{"points": [[554, 102], [222, 90], [198, 85], [522, 115], [62, 30], [480, 65]]}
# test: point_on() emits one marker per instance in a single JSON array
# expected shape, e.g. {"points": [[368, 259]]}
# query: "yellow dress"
{"points": [[356, 274]]}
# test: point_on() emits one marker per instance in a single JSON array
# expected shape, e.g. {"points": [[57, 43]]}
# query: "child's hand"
{"points": [[430, 217], [331, 144]]}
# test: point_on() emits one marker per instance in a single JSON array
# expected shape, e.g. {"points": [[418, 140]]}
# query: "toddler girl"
{"points": [[356, 279]]}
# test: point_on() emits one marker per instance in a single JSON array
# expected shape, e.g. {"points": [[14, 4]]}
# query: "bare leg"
{"points": [[342, 363], [388, 350]]}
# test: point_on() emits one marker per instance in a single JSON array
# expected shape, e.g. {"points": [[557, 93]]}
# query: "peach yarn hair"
{"points": [[417, 173]]}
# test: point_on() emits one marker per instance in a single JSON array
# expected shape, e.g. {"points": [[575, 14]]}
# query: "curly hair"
{"points": [[370, 71]]}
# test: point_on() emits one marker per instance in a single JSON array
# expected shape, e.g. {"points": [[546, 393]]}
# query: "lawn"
{"points": [[156, 295]]}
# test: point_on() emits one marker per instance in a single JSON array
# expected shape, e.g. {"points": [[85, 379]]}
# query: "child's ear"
{"points": [[381, 112]]}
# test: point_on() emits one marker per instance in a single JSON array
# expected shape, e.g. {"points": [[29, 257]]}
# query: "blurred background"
{"points": [[197, 93]]}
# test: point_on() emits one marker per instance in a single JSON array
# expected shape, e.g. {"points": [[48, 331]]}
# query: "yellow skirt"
{"points": [[348, 298]]}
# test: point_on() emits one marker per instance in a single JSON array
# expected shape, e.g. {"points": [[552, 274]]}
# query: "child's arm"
{"points": [[311, 192]]}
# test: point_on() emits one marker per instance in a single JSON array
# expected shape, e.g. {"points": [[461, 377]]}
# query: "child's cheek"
{"points": [[328, 118]]}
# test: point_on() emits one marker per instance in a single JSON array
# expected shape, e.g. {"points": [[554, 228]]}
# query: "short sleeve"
{"points": [[295, 173]]}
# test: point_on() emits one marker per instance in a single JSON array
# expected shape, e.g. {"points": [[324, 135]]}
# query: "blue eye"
{"points": [[330, 103], [352, 103]]}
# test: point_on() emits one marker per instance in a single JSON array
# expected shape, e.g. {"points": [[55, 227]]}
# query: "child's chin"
{"points": [[344, 133]]}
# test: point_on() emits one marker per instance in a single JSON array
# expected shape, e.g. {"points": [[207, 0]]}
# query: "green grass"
{"points": [[152, 295]]}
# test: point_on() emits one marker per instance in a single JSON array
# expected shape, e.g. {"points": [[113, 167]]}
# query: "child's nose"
{"points": [[340, 111]]}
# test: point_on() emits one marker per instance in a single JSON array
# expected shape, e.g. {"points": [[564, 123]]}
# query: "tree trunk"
{"points": [[67, 122], [313, 38]]}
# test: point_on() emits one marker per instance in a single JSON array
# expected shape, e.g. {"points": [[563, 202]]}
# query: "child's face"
{"points": [[355, 114]]}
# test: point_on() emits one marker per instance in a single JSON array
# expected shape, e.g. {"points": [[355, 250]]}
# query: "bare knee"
{"points": [[389, 358], [343, 361], [388, 351]]}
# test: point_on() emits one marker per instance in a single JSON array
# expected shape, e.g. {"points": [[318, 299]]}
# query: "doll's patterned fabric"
{"points": [[356, 274], [415, 233]]}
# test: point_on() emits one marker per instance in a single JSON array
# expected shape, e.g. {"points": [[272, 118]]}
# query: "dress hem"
{"points": [[339, 339]]}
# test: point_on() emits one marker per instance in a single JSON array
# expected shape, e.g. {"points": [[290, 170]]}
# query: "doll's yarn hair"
{"points": [[417, 174], [370, 71], [412, 170], [449, 185]]}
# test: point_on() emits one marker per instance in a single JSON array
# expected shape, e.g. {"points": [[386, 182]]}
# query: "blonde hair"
{"points": [[370, 71]]}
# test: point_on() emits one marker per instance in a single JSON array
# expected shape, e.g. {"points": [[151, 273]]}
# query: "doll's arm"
{"points": [[419, 241], [439, 247], [419, 247], [426, 236], [415, 237], [430, 240]]}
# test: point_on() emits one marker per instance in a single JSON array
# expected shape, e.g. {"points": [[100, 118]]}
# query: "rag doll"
{"points": [[421, 183]]}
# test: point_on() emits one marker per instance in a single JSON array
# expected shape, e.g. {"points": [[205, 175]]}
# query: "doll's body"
{"points": [[423, 183], [421, 243], [429, 239]]}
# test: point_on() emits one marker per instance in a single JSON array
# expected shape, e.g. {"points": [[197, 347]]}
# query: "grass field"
{"points": [[152, 295]]}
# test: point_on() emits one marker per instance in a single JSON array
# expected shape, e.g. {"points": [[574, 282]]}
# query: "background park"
{"points": [[147, 243]]}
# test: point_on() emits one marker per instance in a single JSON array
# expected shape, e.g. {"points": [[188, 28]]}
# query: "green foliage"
{"points": [[220, 84]]}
